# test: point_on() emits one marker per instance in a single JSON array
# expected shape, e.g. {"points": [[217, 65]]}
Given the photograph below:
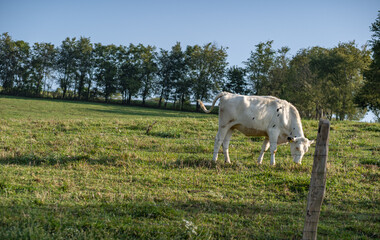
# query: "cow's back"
{"points": [[249, 114]]}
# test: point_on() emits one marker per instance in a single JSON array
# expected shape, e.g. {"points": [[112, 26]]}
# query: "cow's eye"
{"points": [[297, 148]]}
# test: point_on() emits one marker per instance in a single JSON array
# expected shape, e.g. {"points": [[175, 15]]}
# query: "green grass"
{"points": [[74, 170]]}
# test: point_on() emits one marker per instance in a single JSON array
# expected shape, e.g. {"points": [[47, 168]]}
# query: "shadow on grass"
{"points": [[115, 108], [243, 163], [196, 161], [144, 220], [189, 161], [139, 219], [33, 160], [144, 111]]}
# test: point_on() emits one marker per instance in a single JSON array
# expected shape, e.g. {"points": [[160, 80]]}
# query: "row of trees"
{"points": [[83, 70], [319, 81]]}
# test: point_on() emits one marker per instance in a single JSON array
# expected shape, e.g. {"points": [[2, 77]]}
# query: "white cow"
{"points": [[275, 119]]}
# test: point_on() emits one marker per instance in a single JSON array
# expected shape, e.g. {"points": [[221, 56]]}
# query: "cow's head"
{"points": [[299, 146]]}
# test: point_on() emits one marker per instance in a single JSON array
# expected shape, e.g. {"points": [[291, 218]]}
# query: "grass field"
{"points": [[73, 170]]}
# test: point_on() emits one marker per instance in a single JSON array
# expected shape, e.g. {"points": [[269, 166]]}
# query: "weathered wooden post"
{"points": [[317, 182]]}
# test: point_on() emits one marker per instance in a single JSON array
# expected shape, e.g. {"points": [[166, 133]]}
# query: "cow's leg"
{"points": [[273, 138], [264, 148], [218, 141], [226, 143], [273, 150]]}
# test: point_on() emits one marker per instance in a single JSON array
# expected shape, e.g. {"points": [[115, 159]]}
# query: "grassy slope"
{"points": [[81, 170]]}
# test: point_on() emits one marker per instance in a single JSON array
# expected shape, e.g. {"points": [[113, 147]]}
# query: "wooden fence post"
{"points": [[317, 182]]}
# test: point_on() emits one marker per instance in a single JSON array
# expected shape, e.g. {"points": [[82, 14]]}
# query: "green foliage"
{"points": [[236, 82], [206, 69], [42, 65], [165, 72], [86, 65], [14, 64], [74, 170], [129, 73], [324, 81], [173, 83], [259, 65], [369, 94], [106, 69], [182, 82], [148, 69], [317, 80], [346, 75], [66, 65]]}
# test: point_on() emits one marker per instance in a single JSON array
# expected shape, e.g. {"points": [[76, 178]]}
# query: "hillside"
{"points": [[84, 170]]}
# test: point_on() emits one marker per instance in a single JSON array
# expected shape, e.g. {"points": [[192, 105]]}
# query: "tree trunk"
{"points": [[80, 87], [129, 99], [64, 92], [160, 101], [88, 90], [182, 101], [38, 88], [174, 101]]}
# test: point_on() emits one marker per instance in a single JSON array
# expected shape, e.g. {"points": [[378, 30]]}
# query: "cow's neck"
{"points": [[296, 124]]}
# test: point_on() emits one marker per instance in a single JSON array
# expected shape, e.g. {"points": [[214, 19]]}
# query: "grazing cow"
{"points": [[275, 119]]}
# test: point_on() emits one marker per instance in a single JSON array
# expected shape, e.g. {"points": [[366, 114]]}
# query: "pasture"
{"points": [[74, 170]]}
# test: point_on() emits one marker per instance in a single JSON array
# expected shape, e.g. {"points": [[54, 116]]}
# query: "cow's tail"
{"points": [[213, 102]]}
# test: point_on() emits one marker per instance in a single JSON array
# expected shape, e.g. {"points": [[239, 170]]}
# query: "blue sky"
{"points": [[237, 24]]}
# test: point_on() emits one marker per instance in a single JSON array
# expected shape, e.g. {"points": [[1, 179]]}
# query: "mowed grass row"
{"points": [[89, 171]]}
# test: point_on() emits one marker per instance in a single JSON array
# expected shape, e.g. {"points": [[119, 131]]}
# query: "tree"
{"points": [[106, 69], [278, 74], [172, 75], [369, 94], [129, 74], [165, 69], [85, 66], [306, 78], [325, 80], [347, 64], [8, 62], [42, 64], [258, 67], [22, 69], [179, 77], [206, 69], [66, 64], [148, 70], [236, 80]]}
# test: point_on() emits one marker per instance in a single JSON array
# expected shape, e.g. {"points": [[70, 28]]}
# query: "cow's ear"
{"points": [[311, 142], [290, 139]]}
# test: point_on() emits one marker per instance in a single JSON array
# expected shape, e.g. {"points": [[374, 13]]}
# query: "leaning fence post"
{"points": [[317, 181]]}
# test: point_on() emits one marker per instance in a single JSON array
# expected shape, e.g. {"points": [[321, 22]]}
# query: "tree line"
{"points": [[318, 81], [86, 71]]}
